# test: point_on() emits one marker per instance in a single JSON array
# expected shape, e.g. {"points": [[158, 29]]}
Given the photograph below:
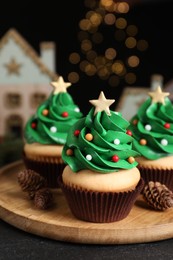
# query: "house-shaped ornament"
{"points": [[24, 80]]}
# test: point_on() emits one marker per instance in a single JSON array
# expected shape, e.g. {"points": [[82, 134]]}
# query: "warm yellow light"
{"points": [[142, 45], [130, 78], [106, 3], [90, 69], [130, 42], [110, 53], [91, 55], [121, 23], [117, 67], [86, 45], [132, 30], [100, 61], [85, 24], [103, 72], [109, 19], [74, 58], [73, 77], [122, 7], [133, 61], [95, 19], [83, 64]]}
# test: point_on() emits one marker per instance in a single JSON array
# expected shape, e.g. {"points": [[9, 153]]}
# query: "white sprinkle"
{"points": [[77, 109], [53, 129], [148, 127], [164, 142], [89, 157], [117, 141]]}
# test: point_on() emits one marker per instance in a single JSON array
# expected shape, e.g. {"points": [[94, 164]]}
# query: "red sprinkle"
{"points": [[65, 114], [167, 125], [76, 132], [33, 125], [128, 132], [115, 158]]}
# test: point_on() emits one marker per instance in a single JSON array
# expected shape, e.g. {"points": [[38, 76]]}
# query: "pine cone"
{"points": [[30, 180], [158, 196], [43, 198]]}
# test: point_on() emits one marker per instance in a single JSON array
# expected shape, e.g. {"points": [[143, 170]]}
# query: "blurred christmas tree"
{"points": [[109, 45]]}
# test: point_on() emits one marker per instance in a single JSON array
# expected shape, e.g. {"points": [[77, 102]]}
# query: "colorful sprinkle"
{"points": [[167, 125], [143, 141], [33, 125], [76, 132], [89, 137], [65, 114], [89, 157], [77, 109], [128, 132], [45, 112], [115, 158], [164, 142], [135, 121], [131, 159], [53, 129], [148, 127], [69, 152], [116, 141]]}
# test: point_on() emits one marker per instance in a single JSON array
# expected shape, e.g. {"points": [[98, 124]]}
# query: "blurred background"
{"points": [[103, 45]]}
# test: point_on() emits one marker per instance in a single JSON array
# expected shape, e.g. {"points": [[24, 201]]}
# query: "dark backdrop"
{"points": [[58, 21]]}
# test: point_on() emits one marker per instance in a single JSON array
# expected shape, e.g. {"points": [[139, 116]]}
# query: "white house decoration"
{"points": [[24, 80]]}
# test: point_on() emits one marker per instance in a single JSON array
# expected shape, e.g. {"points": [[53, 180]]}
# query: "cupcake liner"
{"points": [[50, 171], [99, 207], [157, 175]]}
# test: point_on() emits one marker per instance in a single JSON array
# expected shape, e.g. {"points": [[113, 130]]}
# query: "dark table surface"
{"points": [[17, 244]]}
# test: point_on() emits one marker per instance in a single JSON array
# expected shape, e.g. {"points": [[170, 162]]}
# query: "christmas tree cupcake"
{"points": [[45, 132], [152, 130], [101, 181]]}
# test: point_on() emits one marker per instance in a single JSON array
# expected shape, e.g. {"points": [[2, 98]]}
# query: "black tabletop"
{"points": [[16, 244]]}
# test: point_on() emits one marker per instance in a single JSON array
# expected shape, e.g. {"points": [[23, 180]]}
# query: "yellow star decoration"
{"points": [[13, 67], [60, 85], [102, 104], [158, 96]]}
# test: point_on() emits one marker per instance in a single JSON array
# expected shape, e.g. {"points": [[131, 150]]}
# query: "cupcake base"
{"points": [[157, 175], [49, 170], [99, 207]]}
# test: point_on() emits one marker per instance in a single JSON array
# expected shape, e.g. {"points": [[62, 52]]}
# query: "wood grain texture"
{"points": [[142, 224]]}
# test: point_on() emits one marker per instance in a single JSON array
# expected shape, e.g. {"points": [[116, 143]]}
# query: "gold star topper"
{"points": [[60, 85], [158, 96], [102, 104]]}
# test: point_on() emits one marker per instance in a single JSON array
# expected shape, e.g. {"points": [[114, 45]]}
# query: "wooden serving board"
{"points": [[143, 224]]}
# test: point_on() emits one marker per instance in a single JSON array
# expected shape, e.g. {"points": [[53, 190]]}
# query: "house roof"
{"points": [[28, 49]]}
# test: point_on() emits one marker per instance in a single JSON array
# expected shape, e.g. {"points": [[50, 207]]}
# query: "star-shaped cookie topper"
{"points": [[102, 104], [60, 85], [158, 96]]}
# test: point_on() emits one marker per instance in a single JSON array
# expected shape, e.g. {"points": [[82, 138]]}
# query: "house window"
{"points": [[37, 99], [13, 100], [14, 124]]}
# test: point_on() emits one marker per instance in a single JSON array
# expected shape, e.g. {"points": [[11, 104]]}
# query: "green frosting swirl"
{"points": [[100, 150], [53, 127], [154, 123]]}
